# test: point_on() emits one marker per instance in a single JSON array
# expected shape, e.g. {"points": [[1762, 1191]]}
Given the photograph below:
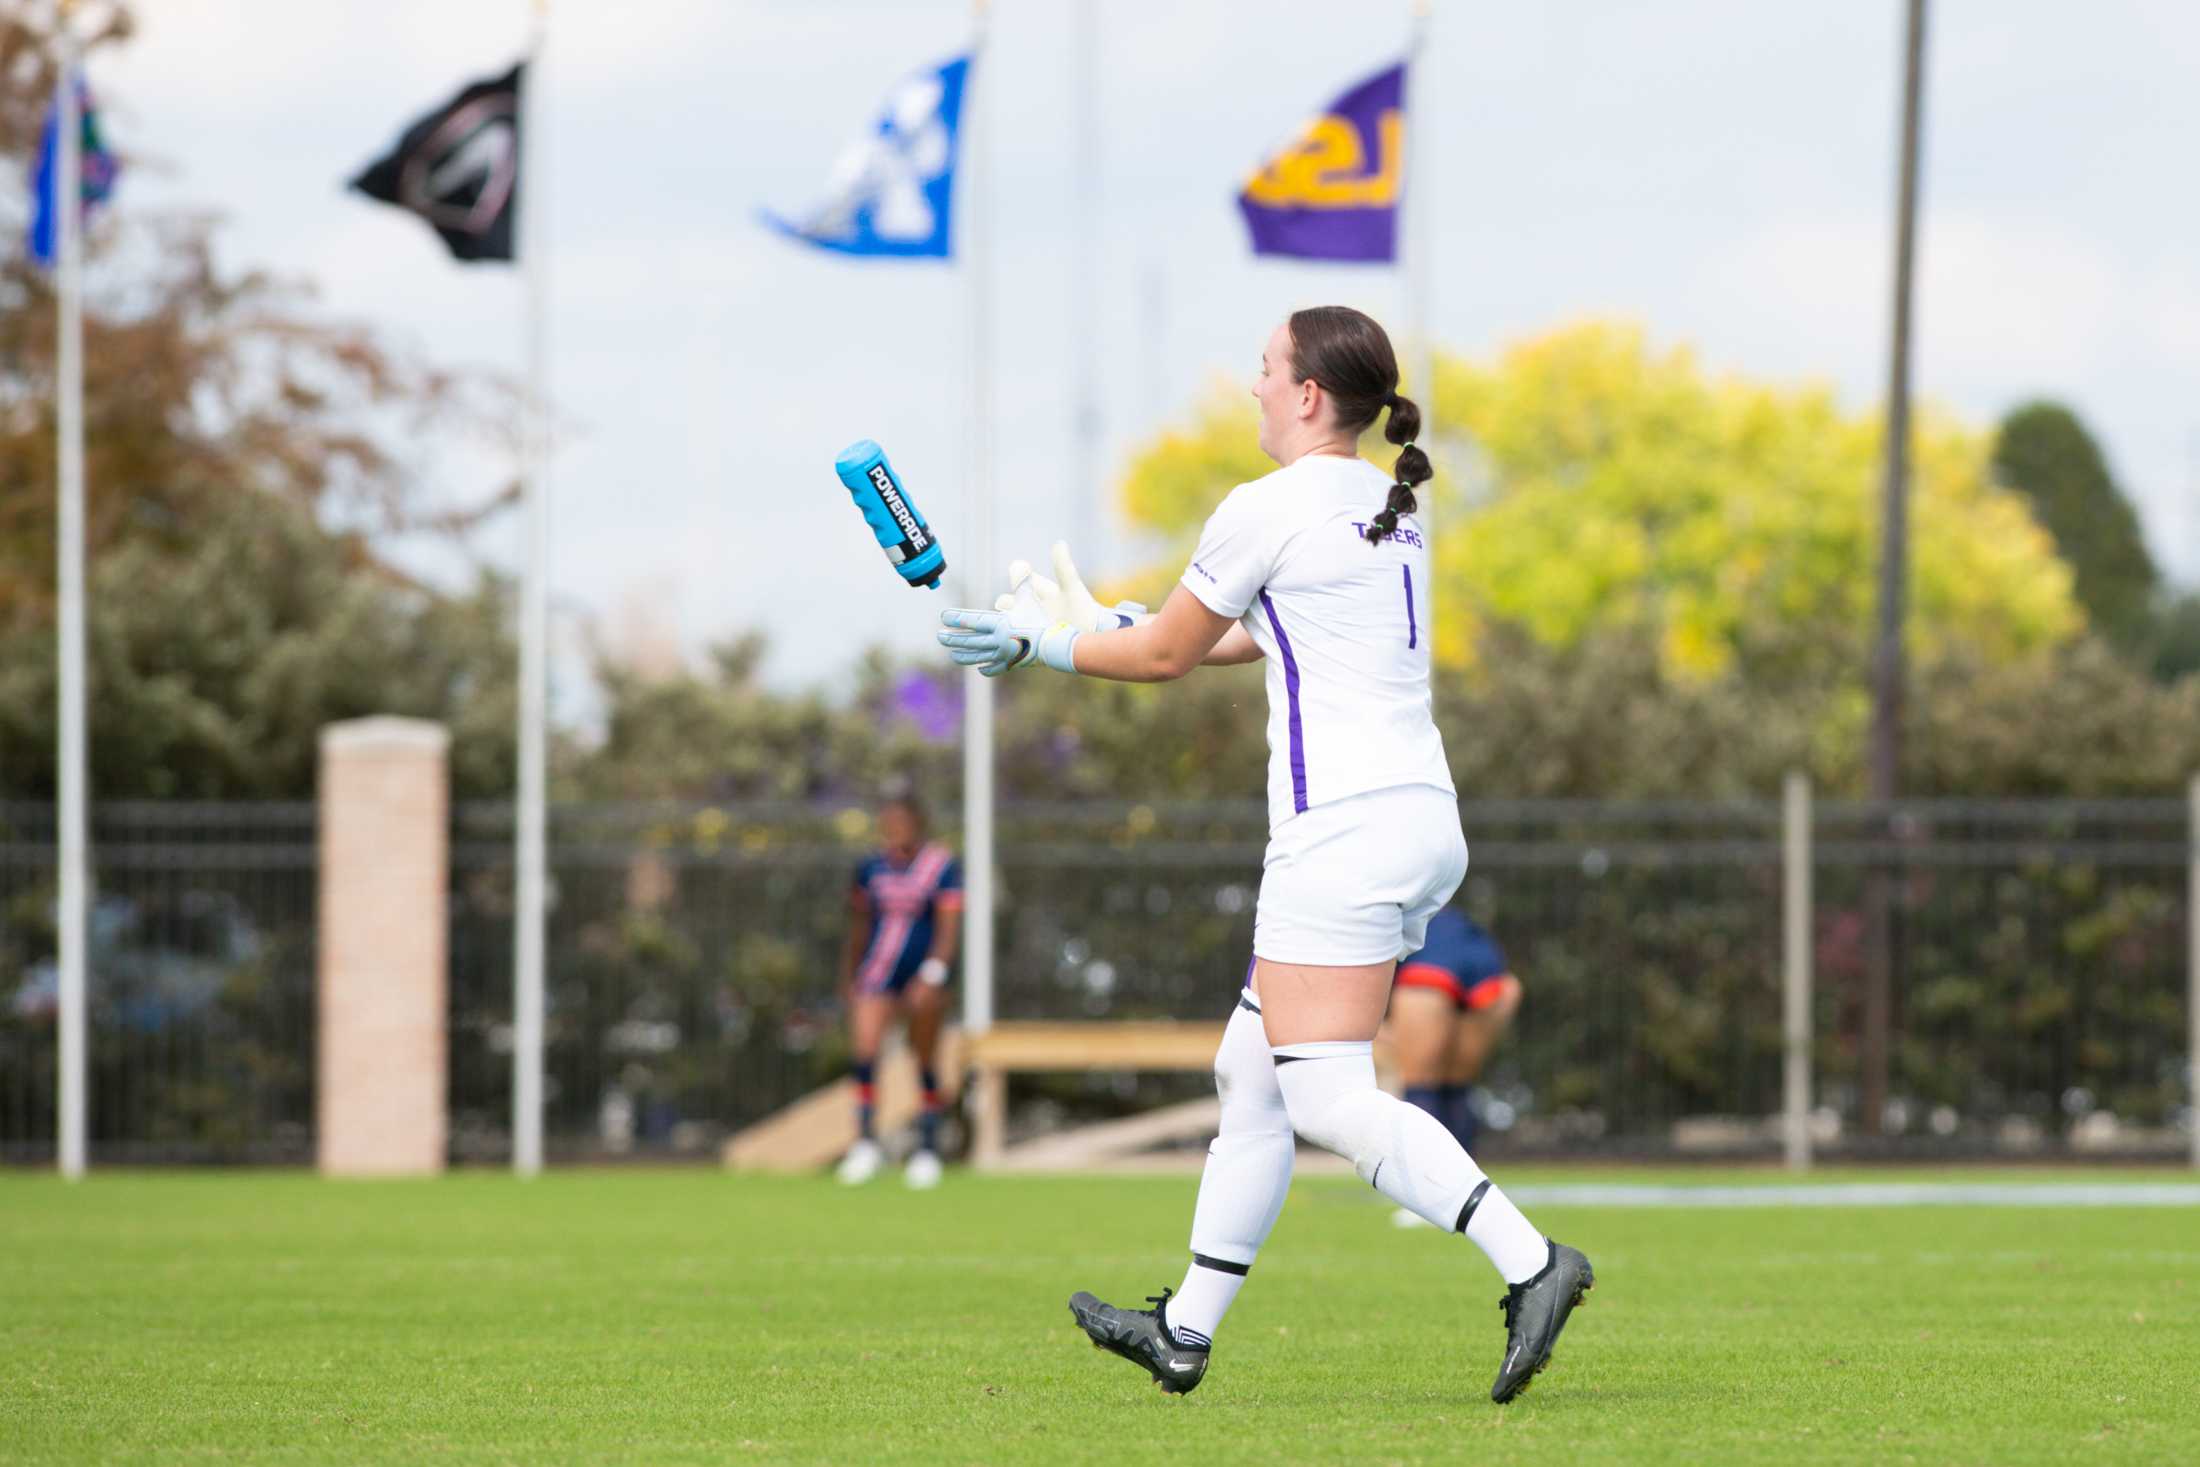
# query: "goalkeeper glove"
{"points": [[995, 642], [1065, 598]]}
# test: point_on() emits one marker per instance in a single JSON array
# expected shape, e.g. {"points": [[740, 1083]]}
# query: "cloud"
{"points": [[1998, 301]]}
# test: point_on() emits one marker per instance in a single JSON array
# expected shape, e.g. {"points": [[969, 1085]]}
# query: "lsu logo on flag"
{"points": [[1333, 193]]}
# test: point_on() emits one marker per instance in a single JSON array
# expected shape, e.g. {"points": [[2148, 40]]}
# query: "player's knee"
{"points": [[1238, 1071], [1245, 1079], [1327, 1090], [1352, 1127]]}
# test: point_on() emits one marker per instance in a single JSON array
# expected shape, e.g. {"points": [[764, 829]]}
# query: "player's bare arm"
{"points": [[946, 940], [859, 936], [1236, 648], [1161, 650]]}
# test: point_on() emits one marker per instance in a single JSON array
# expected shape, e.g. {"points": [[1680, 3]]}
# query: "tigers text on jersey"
{"points": [[1344, 626]]}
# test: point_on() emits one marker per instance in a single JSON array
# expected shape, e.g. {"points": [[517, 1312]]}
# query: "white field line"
{"points": [[1865, 1194]]}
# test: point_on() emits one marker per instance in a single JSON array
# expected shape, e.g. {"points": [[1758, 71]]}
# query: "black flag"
{"points": [[458, 168]]}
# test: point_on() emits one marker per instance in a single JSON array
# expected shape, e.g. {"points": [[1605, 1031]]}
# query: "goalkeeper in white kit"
{"points": [[1321, 569]]}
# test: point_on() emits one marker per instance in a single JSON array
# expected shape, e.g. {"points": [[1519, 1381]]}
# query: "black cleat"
{"points": [[1141, 1336], [1534, 1314]]}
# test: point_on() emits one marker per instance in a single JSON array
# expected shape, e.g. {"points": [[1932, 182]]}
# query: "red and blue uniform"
{"points": [[902, 902], [1460, 959]]}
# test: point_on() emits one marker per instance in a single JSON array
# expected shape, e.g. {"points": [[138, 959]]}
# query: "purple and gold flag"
{"points": [[1333, 193]]}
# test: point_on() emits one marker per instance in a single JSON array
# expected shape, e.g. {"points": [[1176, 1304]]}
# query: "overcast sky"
{"points": [[1720, 170]]}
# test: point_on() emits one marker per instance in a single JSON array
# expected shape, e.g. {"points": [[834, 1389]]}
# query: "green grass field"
{"points": [[673, 1317]]}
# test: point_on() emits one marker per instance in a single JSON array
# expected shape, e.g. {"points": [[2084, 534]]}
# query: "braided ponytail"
{"points": [[1351, 357], [1412, 468]]}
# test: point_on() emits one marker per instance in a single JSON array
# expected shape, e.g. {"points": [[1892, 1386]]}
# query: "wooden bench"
{"points": [[1035, 1047], [1041, 1047]]}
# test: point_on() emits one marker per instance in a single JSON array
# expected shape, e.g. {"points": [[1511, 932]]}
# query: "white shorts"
{"points": [[1355, 881]]}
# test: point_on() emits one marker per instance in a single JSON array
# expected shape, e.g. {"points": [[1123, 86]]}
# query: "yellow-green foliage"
{"points": [[1175, 482], [1609, 484]]}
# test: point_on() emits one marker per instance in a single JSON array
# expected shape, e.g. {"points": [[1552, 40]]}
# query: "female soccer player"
{"points": [[904, 916], [1322, 569]]}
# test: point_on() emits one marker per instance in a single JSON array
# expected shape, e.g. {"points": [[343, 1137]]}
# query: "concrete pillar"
{"points": [[385, 857]]}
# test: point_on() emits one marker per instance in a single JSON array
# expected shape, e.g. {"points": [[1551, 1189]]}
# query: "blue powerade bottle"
{"points": [[893, 516]]}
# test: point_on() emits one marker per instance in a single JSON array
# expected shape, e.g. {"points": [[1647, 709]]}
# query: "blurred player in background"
{"points": [[1321, 570], [904, 920], [1450, 1004]]}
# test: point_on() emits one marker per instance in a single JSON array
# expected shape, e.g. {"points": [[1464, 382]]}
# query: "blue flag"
{"points": [[892, 191], [97, 168]]}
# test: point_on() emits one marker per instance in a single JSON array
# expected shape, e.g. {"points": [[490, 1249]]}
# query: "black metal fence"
{"points": [[2036, 1002], [2039, 974], [200, 1008], [690, 984]]}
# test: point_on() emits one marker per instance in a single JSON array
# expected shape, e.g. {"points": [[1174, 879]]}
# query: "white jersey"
{"points": [[1344, 626]]}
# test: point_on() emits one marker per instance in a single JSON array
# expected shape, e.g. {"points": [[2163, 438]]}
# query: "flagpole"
{"points": [[1414, 213], [978, 689], [69, 381], [1084, 293], [531, 855]]}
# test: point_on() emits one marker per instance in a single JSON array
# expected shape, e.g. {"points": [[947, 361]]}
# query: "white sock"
{"points": [[1196, 1308], [1247, 1176], [1512, 1242], [1402, 1151]]}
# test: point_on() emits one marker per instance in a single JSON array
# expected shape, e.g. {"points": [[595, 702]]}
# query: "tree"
{"points": [[214, 664], [227, 428], [1731, 522], [2176, 638], [2045, 453], [719, 732], [2081, 720]]}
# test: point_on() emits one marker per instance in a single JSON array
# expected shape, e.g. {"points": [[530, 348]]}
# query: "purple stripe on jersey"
{"points": [[1291, 696], [1413, 627]]}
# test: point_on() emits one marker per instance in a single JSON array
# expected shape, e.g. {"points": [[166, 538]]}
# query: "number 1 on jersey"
{"points": [[1413, 626]]}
